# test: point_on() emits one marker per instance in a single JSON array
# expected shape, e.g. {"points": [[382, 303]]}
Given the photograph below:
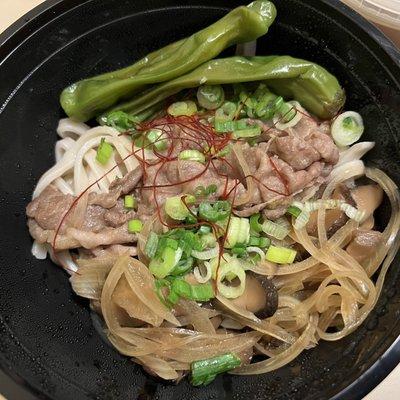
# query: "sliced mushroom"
{"points": [[260, 296], [364, 244], [367, 198], [334, 219]]}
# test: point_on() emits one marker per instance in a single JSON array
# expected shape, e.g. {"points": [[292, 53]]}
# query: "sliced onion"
{"points": [[39, 250], [92, 274], [353, 168], [355, 152]]}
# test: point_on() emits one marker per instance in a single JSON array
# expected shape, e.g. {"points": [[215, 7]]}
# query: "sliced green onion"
{"points": [[249, 102], [190, 219], [182, 267], [141, 142], [311, 206], [255, 225], [231, 269], [160, 268], [293, 211], [173, 297], [352, 212], [182, 108], [155, 136], [347, 128], [160, 284], [205, 371], [225, 151], [130, 201], [119, 120], [269, 106], [206, 254], [200, 191], [204, 229], [151, 245], [239, 250], [261, 91], [192, 155], [180, 288], [224, 126], [265, 107], [255, 130], [214, 212], [288, 116], [276, 230], [199, 277], [238, 232], [301, 220], [202, 292], [104, 152], [176, 208], [208, 240], [280, 255], [135, 225], [226, 112], [169, 242], [190, 241], [210, 96], [256, 258], [211, 189], [230, 126], [257, 250], [288, 112], [259, 241]]}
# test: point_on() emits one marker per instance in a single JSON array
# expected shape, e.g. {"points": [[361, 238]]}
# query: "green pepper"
{"points": [[87, 98], [308, 83]]}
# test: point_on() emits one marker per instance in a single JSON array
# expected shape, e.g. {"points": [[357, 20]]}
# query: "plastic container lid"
{"points": [[383, 12]]}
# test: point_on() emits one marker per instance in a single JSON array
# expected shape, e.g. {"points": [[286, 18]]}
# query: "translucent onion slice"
{"points": [[284, 357]]}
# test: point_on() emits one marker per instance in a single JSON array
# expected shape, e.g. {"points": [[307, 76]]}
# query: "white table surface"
{"points": [[10, 10]]}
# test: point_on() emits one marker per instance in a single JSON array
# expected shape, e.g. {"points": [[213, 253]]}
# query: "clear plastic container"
{"points": [[384, 13]]}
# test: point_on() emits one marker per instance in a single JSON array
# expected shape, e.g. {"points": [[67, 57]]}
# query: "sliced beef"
{"points": [[118, 215], [105, 200], [300, 153], [183, 177], [48, 208], [99, 226], [287, 164], [127, 183], [305, 144]]}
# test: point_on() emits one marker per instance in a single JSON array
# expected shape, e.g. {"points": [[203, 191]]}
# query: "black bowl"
{"points": [[47, 340]]}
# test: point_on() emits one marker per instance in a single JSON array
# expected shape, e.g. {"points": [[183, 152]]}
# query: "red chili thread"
{"points": [[190, 125]]}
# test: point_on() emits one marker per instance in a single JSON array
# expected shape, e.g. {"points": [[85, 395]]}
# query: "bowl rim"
{"points": [[43, 13]]}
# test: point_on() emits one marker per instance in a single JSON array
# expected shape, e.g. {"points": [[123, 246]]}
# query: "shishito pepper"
{"points": [[310, 84], [88, 98]]}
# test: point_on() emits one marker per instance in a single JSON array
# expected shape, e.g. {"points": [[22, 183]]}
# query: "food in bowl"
{"points": [[220, 208]]}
